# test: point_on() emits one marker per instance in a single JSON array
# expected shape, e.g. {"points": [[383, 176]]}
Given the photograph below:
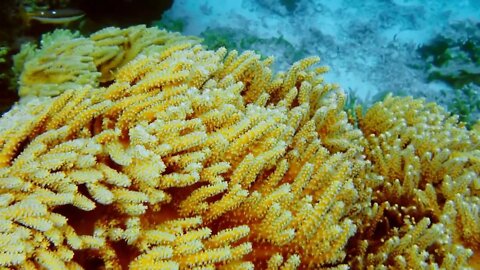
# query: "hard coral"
{"points": [[193, 158]]}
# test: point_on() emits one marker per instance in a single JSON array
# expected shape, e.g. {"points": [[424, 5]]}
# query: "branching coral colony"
{"points": [[187, 158]]}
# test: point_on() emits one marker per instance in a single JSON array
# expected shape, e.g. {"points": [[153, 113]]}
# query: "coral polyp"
{"points": [[187, 158]]}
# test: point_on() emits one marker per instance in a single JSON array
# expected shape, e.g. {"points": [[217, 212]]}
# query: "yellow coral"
{"points": [[68, 61], [421, 153], [192, 158]]}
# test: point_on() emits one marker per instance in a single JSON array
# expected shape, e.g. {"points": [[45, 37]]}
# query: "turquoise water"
{"points": [[371, 47]]}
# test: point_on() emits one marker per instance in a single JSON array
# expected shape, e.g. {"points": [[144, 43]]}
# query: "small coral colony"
{"points": [[140, 148]]}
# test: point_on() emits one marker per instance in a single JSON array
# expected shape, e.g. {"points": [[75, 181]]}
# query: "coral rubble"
{"points": [[189, 158]]}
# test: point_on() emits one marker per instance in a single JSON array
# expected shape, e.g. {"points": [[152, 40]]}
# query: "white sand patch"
{"points": [[369, 45]]}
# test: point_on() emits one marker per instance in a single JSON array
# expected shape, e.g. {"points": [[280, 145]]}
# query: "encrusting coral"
{"points": [[198, 159]]}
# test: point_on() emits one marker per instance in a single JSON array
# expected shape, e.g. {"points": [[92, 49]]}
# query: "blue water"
{"points": [[371, 47]]}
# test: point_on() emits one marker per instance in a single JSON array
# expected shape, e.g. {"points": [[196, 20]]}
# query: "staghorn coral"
{"points": [[203, 159]]}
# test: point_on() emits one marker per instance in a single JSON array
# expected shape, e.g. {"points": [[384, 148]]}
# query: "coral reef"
{"points": [[84, 61], [187, 158], [428, 204]]}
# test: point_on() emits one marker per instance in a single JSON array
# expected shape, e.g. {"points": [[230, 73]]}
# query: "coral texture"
{"points": [[67, 60], [199, 159]]}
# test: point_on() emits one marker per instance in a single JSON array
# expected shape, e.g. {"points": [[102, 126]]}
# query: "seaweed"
{"points": [[466, 104], [454, 58], [170, 24], [352, 106], [453, 61], [234, 39], [222, 37]]}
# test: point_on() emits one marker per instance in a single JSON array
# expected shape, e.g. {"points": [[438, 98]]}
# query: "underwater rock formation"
{"points": [[191, 158]]}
